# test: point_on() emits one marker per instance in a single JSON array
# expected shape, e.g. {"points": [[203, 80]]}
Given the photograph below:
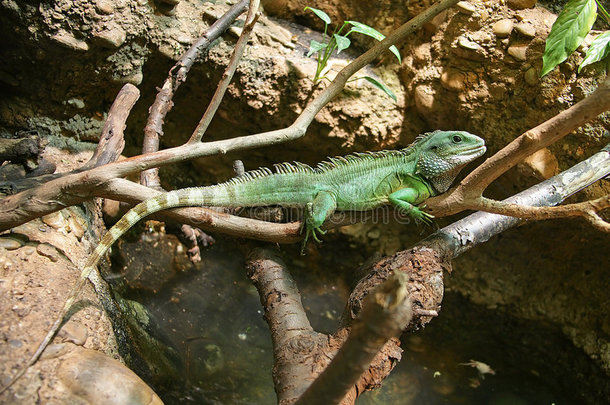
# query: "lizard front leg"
{"points": [[405, 198], [316, 212]]}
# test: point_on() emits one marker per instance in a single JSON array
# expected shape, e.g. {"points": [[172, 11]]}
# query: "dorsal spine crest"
{"points": [[324, 166]]}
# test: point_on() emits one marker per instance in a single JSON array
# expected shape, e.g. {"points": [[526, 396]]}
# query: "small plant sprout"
{"points": [[569, 31], [339, 42]]}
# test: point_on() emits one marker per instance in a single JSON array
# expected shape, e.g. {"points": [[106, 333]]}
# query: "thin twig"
{"points": [[238, 52], [177, 75], [582, 209]]}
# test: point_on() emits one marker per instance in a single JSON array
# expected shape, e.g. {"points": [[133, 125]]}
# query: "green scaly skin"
{"points": [[404, 178]]}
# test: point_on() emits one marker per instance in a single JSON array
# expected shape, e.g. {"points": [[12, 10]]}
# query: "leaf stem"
{"points": [[603, 11]]}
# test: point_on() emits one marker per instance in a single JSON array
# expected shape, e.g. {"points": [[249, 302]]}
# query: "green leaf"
{"points": [[568, 32], [342, 42], [381, 86], [373, 33], [315, 46], [599, 49], [321, 14]]}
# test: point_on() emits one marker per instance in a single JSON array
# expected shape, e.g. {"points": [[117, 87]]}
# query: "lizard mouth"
{"points": [[481, 150], [474, 152]]}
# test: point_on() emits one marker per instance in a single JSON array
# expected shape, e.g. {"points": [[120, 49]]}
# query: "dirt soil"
{"points": [[40, 261], [64, 61]]}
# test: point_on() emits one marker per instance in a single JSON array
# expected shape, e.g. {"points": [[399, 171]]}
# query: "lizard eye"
{"points": [[456, 139]]}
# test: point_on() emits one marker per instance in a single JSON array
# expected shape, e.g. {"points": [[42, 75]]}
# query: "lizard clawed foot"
{"points": [[421, 217], [311, 226], [425, 220], [313, 232]]}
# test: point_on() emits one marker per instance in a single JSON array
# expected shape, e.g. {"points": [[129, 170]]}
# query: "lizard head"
{"points": [[444, 153]]}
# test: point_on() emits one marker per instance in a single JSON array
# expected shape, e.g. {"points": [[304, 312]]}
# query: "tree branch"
{"points": [[300, 353], [386, 312], [112, 141], [238, 52], [292, 334], [465, 195], [583, 209], [177, 75]]}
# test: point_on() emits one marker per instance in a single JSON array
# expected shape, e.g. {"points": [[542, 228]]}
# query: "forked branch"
{"points": [[238, 52], [386, 312], [468, 194], [177, 75]]}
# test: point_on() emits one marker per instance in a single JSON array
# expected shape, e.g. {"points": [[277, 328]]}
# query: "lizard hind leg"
{"points": [[316, 212]]}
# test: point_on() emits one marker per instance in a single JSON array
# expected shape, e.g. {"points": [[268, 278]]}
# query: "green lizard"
{"points": [[358, 182]]}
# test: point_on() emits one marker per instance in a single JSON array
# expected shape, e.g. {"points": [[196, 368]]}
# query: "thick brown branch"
{"points": [[423, 267], [301, 354], [293, 337], [112, 142], [386, 312]]}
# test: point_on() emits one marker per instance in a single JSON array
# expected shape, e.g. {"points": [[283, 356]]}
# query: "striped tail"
{"points": [[195, 196]]}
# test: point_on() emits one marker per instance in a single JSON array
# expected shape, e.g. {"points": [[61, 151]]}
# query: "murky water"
{"points": [[214, 319], [530, 364]]}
